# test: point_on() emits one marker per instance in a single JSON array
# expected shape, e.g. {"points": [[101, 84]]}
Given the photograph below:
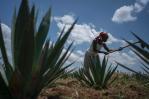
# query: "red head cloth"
{"points": [[103, 35]]}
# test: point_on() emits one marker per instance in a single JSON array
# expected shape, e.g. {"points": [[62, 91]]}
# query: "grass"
{"points": [[125, 87]]}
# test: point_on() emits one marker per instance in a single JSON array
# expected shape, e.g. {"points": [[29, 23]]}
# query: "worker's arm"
{"points": [[110, 50], [106, 48]]}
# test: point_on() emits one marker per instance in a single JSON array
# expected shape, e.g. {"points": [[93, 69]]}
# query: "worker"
{"points": [[95, 48]]}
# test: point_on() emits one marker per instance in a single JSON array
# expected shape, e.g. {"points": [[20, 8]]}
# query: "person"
{"points": [[95, 48]]}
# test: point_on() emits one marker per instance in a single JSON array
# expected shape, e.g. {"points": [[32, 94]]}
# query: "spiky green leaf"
{"points": [[8, 68], [41, 35]]}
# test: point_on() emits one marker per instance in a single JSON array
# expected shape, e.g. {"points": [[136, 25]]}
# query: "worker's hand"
{"points": [[120, 49], [106, 53]]}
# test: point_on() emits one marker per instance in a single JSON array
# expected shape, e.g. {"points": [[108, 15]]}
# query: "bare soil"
{"points": [[71, 88]]}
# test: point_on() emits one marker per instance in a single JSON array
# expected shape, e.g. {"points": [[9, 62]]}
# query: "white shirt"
{"points": [[98, 47]]}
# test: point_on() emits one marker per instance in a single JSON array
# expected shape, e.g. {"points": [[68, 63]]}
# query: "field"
{"points": [[125, 87], [39, 68]]}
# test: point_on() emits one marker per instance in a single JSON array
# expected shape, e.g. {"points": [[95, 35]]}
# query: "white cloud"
{"points": [[113, 39], [80, 52], [138, 7], [77, 57], [123, 14], [66, 18], [7, 40], [86, 33], [129, 13], [122, 57], [82, 33], [144, 2]]}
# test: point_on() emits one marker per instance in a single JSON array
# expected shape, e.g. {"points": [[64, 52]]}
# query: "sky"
{"points": [[117, 17]]}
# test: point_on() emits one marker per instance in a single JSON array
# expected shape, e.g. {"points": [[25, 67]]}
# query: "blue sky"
{"points": [[117, 17], [97, 12]]}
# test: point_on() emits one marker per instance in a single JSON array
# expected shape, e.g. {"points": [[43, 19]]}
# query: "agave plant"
{"points": [[36, 62], [97, 75], [142, 51]]}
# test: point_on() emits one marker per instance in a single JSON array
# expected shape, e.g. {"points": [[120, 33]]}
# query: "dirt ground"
{"points": [[72, 89]]}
